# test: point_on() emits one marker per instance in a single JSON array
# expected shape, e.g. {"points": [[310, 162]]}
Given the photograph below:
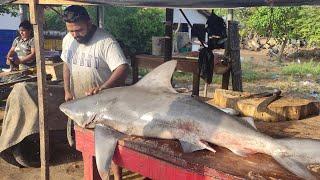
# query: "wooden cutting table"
{"points": [[163, 159]]}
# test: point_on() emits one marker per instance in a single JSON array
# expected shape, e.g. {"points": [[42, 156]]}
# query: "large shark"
{"points": [[152, 108]]}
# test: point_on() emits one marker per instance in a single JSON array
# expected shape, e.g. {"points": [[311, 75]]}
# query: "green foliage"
{"points": [[250, 72], [183, 77], [9, 9], [302, 69], [275, 22], [134, 27], [281, 23], [309, 25], [53, 21]]}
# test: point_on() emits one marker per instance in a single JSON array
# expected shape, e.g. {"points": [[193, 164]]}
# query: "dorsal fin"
{"points": [[159, 79]]}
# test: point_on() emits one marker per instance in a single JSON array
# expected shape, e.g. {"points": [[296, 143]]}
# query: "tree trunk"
{"points": [[284, 44]]}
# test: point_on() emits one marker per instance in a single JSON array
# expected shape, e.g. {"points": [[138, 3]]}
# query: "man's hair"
{"points": [[74, 14], [26, 25]]}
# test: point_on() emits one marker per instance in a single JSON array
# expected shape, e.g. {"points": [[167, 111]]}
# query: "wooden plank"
{"points": [[137, 161], [305, 128], [36, 18], [283, 109], [53, 2], [168, 35], [220, 165], [151, 62], [27, 79]]}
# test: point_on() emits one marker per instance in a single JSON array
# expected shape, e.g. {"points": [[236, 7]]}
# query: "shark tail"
{"points": [[298, 154]]}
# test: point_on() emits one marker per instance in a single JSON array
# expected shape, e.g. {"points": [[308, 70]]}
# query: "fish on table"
{"points": [[152, 108]]}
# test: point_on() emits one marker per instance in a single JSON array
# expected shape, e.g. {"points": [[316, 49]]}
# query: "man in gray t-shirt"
{"points": [[93, 59]]}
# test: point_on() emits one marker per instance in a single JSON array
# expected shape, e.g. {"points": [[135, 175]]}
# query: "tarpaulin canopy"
{"points": [[194, 3]]}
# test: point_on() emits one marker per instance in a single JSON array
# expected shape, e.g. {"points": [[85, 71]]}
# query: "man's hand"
{"points": [[17, 61], [93, 91], [68, 96], [9, 59]]}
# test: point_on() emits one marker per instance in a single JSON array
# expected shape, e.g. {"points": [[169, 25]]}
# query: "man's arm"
{"points": [[117, 78], [10, 55], [66, 83]]}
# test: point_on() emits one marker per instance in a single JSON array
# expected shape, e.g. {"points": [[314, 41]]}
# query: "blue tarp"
{"points": [[6, 39]]}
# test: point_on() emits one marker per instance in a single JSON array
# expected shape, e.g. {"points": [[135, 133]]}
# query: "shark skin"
{"points": [[152, 108]]}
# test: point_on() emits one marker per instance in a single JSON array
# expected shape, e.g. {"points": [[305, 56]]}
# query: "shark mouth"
{"points": [[90, 121]]}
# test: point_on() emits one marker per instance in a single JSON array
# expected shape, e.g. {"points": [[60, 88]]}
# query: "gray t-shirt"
{"points": [[23, 48], [91, 64]]}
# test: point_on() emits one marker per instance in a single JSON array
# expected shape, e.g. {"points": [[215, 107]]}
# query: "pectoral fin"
{"points": [[105, 143], [191, 146], [250, 121]]}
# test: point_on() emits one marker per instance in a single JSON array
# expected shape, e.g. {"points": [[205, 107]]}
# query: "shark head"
{"points": [[80, 111], [84, 110]]}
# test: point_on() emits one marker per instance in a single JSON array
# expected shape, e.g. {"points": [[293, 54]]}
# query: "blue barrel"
{"points": [[6, 39]]}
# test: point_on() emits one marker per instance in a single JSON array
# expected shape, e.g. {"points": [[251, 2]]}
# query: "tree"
{"points": [[53, 21], [309, 25], [134, 27], [9, 9], [280, 23]]}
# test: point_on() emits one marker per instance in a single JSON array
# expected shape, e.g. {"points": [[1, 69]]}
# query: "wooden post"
{"points": [[195, 83], [230, 15], [225, 80], [226, 75], [236, 72], [36, 18], [168, 35]]}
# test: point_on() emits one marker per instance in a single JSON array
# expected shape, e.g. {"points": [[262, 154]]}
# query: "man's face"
{"points": [[24, 33], [79, 30]]}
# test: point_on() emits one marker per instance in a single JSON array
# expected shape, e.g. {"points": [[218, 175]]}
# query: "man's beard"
{"points": [[86, 38]]}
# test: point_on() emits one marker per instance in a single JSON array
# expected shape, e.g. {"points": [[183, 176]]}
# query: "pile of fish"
{"points": [[152, 108]]}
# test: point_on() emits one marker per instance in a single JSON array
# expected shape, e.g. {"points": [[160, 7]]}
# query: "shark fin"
{"points": [[250, 121], [230, 111], [239, 152], [159, 78], [105, 143], [189, 147]]}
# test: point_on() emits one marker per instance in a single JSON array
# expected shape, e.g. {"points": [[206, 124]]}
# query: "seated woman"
{"points": [[22, 52]]}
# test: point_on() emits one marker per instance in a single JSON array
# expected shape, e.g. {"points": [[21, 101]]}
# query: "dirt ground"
{"points": [[294, 86], [67, 163]]}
